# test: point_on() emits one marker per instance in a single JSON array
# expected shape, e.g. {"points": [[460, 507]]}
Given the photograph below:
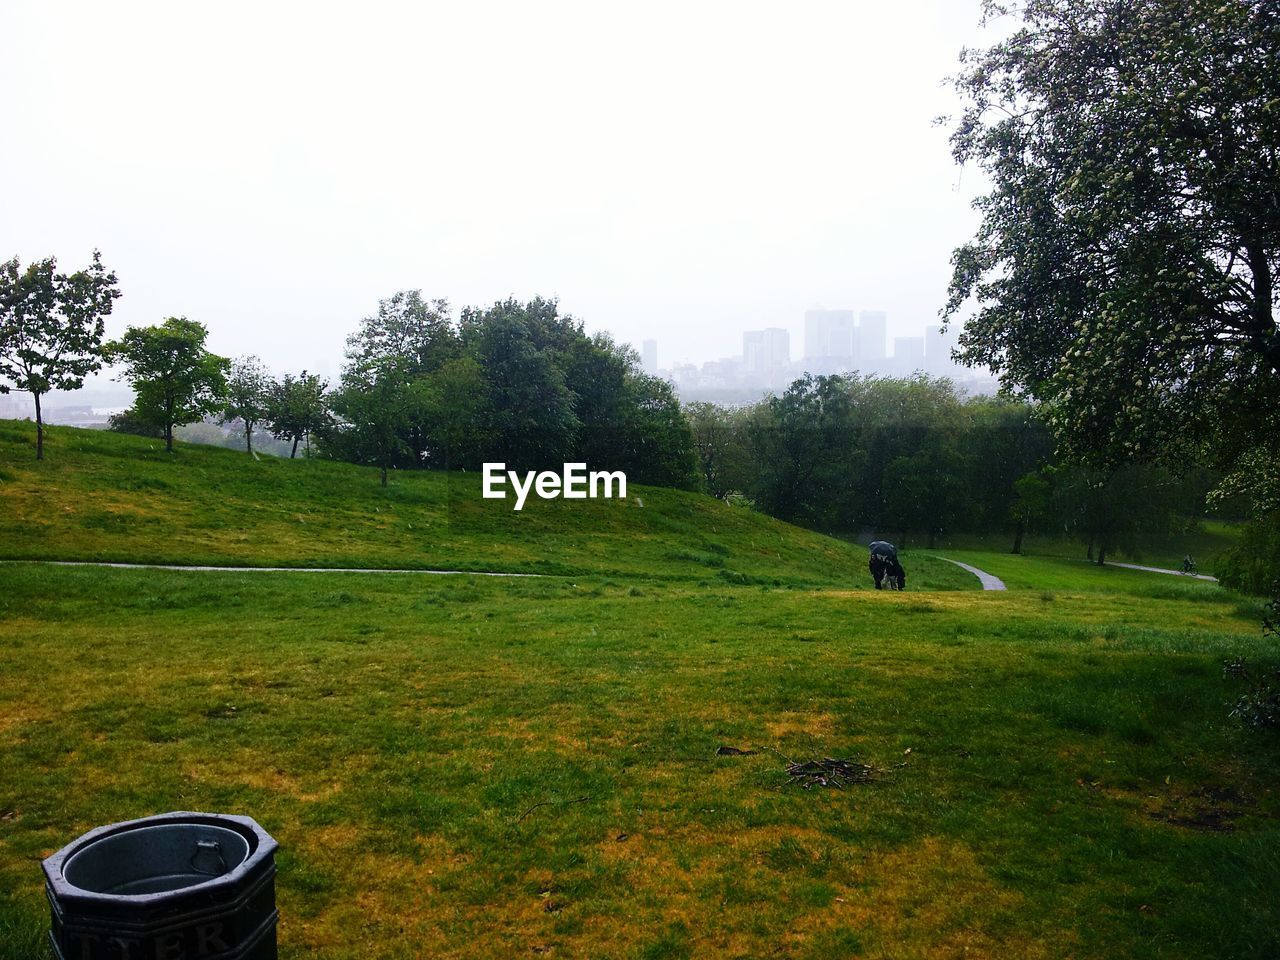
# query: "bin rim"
{"points": [[261, 847]]}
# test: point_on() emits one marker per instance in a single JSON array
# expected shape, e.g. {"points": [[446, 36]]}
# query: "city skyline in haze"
{"points": [[678, 173]]}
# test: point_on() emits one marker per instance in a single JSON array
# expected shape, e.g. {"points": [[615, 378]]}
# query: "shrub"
{"points": [[1260, 706], [1253, 564]]}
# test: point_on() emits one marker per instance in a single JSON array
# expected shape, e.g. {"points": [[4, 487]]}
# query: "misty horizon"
{"points": [[684, 175]]}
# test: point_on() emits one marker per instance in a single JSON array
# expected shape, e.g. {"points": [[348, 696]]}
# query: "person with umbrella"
{"points": [[884, 566]]}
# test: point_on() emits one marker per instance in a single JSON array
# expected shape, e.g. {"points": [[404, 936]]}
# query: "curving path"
{"points": [[175, 566], [1176, 573], [987, 580]]}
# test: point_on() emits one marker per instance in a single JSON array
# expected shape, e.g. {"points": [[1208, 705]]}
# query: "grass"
{"points": [[481, 767], [1073, 786], [1032, 572], [107, 496], [1206, 543]]}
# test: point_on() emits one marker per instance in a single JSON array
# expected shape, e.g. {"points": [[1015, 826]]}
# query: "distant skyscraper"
{"points": [[777, 345], [766, 350], [937, 350], [908, 354], [649, 356], [753, 355], [871, 339], [840, 337], [828, 333]]}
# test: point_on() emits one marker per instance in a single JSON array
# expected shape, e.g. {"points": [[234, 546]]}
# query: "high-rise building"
{"points": [[840, 333], [649, 356], [872, 325], [753, 352], [827, 334], [937, 350], [777, 344], [908, 355], [766, 350]]}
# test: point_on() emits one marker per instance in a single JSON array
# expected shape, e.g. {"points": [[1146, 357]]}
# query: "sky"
{"points": [[680, 171]]}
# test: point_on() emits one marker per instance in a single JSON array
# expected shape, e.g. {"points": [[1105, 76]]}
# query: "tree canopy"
{"points": [[517, 382], [376, 411], [248, 388], [51, 327], [1123, 272], [174, 378], [296, 408]]}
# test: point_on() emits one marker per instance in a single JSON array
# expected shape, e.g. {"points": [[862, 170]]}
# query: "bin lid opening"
{"points": [[155, 858]]}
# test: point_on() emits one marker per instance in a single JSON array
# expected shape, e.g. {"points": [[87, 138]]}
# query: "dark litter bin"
{"points": [[178, 886]]}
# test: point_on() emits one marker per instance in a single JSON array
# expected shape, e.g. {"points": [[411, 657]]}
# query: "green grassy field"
{"points": [[1032, 572], [483, 767], [1206, 545], [106, 496]]}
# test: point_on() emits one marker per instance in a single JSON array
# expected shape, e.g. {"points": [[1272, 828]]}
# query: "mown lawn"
{"points": [[1207, 544], [1031, 572], [1060, 776], [112, 497]]}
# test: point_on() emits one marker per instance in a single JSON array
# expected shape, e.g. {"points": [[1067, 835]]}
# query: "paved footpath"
{"points": [[987, 580], [1176, 573], [174, 566]]}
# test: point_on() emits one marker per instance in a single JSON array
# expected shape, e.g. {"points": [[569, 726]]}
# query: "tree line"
{"points": [[517, 382], [913, 458], [521, 383]]}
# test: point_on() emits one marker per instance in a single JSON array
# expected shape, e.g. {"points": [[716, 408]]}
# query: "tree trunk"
{"points": [[384, 474], [168, 437], [1266, 338], [39, 427], [1102, 556], [248, 437], [294, 452], [1017, 535]]}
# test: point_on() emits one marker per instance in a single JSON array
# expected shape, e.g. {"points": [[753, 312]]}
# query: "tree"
{"points": [[456, 412], [1116, 508], [720, 443], [127, 421], [247, 390], [925, 490], [174, 378], [1032, 496], [296, 408], [807, 444], [1005, 444], [374, 407], [51, 327], [908, 434], [533, 423], [1124, 269], [658, 445], [418, 333]]}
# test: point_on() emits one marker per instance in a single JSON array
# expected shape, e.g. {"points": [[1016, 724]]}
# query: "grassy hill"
{"points": [[107, 496], [473, 767], [1207, 543], [481, 767]]}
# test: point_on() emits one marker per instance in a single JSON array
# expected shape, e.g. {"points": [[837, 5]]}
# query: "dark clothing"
{"points": [[884, 562]]}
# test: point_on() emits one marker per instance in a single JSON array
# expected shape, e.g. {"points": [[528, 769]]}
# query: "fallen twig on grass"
{"points": [[551, 803], [830, 772]]}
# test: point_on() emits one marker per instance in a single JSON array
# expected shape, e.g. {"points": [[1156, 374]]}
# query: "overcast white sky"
{"points": [[676, 170]]}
